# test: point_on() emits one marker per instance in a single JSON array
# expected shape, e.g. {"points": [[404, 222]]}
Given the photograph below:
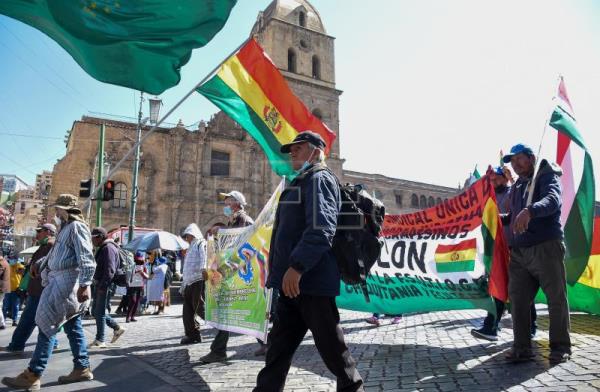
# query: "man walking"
{"points": [[194, 269], [66, 275], [45, 240], [237, 217], [537, 254], [107, 262], [303, 266]]}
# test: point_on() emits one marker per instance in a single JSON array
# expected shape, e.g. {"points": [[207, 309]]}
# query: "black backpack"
{"points": [[125, 268], [356, 243]]}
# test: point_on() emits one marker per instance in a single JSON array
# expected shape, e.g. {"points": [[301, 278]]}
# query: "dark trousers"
{"points": [[135, 297], [219, 345], [529, 269], [294, 318], [491, 322], [193, 305]]}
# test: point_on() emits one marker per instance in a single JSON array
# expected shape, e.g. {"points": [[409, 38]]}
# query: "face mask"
{"points": [[227, 211], [306, 163], [57, 221]]}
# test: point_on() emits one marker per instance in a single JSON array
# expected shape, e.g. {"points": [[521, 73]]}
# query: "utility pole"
{"points": [[89, 208], [100, 174], [136, 165]]}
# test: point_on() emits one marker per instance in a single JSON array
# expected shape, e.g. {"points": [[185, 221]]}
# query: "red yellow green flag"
{"points": [[249, 88], [456, 257]]}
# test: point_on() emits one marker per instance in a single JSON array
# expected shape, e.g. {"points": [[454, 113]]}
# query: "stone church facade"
{"points": [[182, 170]]}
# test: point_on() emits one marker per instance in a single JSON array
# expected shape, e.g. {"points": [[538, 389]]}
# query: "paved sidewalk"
{"points": [[425, 352]]}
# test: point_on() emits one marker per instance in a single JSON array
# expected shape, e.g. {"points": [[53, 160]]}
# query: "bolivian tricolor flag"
{"points": [[249, 88], [456, 257]]}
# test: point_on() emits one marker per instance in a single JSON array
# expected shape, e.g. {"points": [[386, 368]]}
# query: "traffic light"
{"points": [[108, 192], [85, 188]]}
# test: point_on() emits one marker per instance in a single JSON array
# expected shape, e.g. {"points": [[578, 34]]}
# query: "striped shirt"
{"points": [[73, 249]]}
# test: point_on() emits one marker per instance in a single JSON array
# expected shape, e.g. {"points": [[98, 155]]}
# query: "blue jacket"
{"points": [[305, 223], [544, 209]]}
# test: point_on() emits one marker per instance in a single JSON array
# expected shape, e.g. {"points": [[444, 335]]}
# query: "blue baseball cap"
{"points": [[498, 170], [517, 149]]}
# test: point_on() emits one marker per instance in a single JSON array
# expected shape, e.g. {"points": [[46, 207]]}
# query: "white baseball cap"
{"points": [[238, 196]]}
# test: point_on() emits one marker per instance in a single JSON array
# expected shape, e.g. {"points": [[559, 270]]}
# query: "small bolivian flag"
{"points": [[456, 257]]}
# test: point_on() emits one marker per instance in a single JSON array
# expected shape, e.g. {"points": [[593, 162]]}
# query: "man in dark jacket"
{"points": [[45, 236], [537, 253], [107, 262], [499, 178], [302, 266]]}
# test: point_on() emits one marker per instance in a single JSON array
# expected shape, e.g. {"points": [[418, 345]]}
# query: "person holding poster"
{"points": [[234, 210], [303, 267]]}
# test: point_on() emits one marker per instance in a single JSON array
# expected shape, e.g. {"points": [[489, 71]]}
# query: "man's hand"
{"points": [[522, 221], [83, 294], [291, 283]]}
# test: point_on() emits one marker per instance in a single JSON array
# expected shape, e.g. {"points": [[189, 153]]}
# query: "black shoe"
{"points": [[262, 350], [557, 357], [483, 333], [517, 356], [188, 340], [213, 357], [533, 331]]}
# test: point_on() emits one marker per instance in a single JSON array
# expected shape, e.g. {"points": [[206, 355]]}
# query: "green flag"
{"points": [[130, 43], [476, 173]]}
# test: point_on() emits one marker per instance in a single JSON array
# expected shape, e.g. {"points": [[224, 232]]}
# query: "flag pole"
{"points": [[163, 118], [536, 168]]}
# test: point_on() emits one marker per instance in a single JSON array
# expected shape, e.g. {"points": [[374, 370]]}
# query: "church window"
{"points": [[414, 201], [302, 19], [291, 60], [438, 200], [423, 202], [430, 201], [303, 44], [120, 198], [316, 67], [399, 200], [219, 163], [378, 194], [317, 113]]}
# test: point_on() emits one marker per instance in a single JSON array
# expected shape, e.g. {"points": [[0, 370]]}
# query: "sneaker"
{"points": [[2, 326], [373, 321], [15, 323], [486, 334], [213, 357], [97, 344], [557, 357], [117, 334], [188, 340], [396, 320], [27, 380], [133, 320], [56, 345], [516, 356], [77, 375]]}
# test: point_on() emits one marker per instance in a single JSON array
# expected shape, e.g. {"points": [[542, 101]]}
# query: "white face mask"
{"points": [[57, 221], [306, 163]]}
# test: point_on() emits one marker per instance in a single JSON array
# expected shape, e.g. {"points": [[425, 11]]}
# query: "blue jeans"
{"points": [[26, 325], [45, 344], [10, 305], [102, 319]]}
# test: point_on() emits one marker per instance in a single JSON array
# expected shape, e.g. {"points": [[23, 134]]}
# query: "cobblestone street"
{"points": [[425, 352]]}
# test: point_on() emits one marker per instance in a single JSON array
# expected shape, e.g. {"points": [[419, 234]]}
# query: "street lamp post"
{"points": [[154, 110]]}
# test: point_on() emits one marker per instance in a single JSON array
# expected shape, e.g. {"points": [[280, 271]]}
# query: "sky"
{"points": [[430, 88]]}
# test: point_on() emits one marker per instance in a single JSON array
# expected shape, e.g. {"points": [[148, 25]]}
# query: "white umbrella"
{"points": [[29, 251]]}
